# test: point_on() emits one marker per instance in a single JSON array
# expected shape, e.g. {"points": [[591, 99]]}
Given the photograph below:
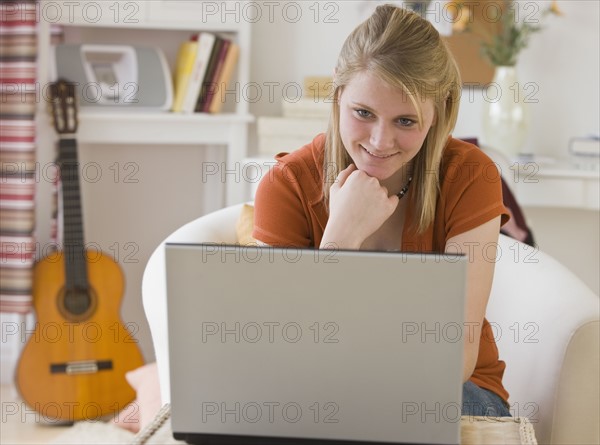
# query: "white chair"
{"points": [[546, 324]]}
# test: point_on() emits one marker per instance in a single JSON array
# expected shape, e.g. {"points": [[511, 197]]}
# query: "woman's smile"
{"points": [[377, 155]]}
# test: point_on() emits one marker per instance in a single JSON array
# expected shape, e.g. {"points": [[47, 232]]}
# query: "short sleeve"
{"points": [[280, 216], [472, 192]]}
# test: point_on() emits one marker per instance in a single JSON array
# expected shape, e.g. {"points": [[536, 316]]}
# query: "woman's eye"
{"points": [[406, 122], [363, 113]]}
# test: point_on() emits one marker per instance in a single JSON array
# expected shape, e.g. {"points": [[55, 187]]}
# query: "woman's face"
{"points": [[379, 127]]}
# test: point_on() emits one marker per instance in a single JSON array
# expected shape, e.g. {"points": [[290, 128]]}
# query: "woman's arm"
{"points": [[479, 244]]}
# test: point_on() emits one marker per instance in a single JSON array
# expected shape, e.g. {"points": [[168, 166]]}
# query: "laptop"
{"points": [[300, 346]]}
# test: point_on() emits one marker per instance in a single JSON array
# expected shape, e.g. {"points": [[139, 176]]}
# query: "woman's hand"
{"points": [[358, 206]]}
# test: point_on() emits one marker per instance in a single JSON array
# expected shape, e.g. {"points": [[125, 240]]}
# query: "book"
{"points": [[585, 152], [186, 57], [585, 146], [211, 85], [210, 72], [206, 42], [224, 77]]}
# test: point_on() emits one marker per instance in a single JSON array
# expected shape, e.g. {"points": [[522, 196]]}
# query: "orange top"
{"points": [[290, 211]]}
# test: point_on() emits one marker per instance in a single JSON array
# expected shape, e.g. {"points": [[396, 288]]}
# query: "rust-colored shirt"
{"points": [[290, 211]]}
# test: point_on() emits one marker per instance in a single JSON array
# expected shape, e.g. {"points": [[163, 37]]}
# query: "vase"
{"points": [[506, 113]]}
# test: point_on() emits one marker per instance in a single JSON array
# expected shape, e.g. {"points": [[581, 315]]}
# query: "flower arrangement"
{"points": [[504, 36]]}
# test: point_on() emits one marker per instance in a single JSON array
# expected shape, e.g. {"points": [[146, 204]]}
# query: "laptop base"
{"points": [[222, 439]]}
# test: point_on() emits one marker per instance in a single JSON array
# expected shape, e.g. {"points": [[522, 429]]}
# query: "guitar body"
{"points": [[73, 366]]}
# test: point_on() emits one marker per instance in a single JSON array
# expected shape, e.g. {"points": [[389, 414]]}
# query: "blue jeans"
{"points": [[481, 402]]}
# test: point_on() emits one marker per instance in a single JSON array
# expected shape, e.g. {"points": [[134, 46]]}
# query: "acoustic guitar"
{"points": [[73, 365]]}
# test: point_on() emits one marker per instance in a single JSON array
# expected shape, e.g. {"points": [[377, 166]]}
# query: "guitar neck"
{"points": [[73, 242]]}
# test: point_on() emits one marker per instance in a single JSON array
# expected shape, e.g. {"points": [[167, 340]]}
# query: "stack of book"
{"points": [[205, 65], [585, 152]]}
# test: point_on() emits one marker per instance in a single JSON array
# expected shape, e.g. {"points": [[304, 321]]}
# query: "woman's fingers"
{"points": [[341, 178]]}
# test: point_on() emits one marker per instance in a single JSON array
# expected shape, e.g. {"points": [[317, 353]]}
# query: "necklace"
{"points": [[404, 189]]}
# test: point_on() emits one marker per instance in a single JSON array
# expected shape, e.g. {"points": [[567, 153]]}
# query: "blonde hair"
{"points": [[406, 52]]}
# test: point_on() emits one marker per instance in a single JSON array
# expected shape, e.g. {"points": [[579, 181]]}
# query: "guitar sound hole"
{"points": [[77, 304], [77, 301]]}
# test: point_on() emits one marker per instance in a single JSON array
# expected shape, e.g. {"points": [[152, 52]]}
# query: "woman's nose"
{"points": [[382, 138]]}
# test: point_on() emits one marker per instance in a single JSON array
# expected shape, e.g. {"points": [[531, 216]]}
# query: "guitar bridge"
{"points": [[81, 367]]}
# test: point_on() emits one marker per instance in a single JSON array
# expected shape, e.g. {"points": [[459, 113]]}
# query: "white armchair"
{"points": [[546, 324]]}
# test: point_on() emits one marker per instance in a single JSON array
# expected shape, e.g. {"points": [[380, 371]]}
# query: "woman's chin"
{"points": [[376, 172]]}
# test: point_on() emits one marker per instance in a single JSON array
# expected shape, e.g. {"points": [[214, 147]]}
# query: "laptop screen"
{"points": [[310, 345]]}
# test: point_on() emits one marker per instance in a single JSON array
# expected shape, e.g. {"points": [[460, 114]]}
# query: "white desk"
{"points": [[555, 183]]}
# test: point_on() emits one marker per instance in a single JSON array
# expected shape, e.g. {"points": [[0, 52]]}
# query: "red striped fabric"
{"points": [[18, 71], [18, 15]]}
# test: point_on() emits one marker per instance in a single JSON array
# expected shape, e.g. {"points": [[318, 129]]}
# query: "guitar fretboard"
{"points": [[73, 248]]}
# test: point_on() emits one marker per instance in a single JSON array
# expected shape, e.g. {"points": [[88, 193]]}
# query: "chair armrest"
{"points": [[577, 411], [216, 227]]}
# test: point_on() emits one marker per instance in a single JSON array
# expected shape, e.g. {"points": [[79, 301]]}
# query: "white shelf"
{"points": [[150, 14], [160, 26], [158, 128]]}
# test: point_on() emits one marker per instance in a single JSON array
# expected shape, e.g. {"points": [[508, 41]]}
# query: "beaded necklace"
{"points": [[404, 189]]}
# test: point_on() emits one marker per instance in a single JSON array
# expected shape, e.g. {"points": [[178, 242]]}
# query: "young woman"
{"points": [[387, 175]]}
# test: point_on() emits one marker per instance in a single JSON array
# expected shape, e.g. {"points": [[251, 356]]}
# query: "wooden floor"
{"points": [[21, 425]]}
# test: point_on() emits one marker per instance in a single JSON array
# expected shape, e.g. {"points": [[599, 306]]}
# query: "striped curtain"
{"points": [[18, 71]]}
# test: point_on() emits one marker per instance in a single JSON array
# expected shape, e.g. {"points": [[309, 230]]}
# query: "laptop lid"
{"points": [[315, 346]]}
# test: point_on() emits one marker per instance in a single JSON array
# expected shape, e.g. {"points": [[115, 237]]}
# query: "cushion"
{"points": [[244, 226], [139, 413], [129, 417]]}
